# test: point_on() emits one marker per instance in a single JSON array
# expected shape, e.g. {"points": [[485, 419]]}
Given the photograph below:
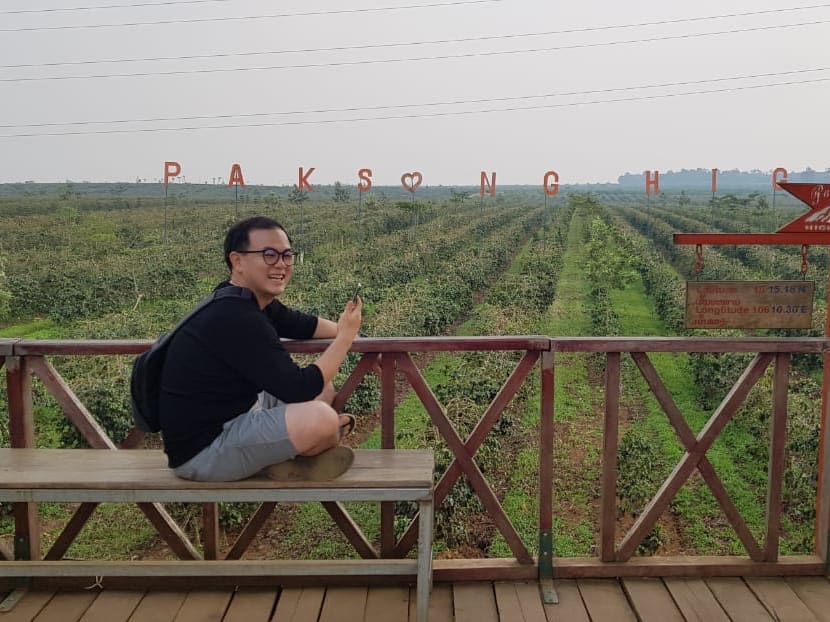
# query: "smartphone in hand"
{"points": [[356, 293]]}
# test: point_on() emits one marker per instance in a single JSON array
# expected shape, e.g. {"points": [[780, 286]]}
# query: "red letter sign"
{"points": [[652, 183], [303, 182], [491, 185], [171, 169], [365, 177], [236, 176], [549, 188], [779, 174]]}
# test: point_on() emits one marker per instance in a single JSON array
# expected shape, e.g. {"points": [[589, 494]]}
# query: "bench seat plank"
{"points": [[143, 475], [147, 468]]}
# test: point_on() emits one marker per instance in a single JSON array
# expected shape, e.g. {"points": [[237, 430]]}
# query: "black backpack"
{"points": [[145, 382]]}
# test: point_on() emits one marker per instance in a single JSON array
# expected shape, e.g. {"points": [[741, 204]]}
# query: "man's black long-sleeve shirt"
{"points": [[219, 361]]}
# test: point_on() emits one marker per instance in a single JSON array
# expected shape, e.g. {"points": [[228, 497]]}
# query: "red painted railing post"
{"points": [[387, 441], [546, 470], [610, 435], [777, 449], [22, 434], [822, 532]]}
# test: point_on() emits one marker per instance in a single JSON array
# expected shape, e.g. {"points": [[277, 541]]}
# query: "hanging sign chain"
{"points": [[698, 260], [804, 264]]}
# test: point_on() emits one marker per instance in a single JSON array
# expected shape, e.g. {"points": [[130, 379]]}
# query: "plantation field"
{"points": [[120, 266]]}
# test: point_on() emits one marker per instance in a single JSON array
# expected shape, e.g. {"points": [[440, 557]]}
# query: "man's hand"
{"points": [[348, 325]]}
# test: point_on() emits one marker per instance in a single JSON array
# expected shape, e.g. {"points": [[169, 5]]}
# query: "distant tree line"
{"points": [[700, 179]]}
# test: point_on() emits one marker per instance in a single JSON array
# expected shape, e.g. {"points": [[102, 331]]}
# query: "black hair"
{"points": [[237, 238]]}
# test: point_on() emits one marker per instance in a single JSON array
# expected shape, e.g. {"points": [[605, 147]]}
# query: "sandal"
{"points": [[324, 466], [347, 427]]}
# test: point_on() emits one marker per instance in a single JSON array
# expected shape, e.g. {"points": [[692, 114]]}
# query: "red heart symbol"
{"points": [[411, 181]]}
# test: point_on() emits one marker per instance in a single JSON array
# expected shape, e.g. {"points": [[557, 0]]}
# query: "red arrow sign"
{"points": [[817, 198]]}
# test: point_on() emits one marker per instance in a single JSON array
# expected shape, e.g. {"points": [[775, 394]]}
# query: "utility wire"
{"points": [[410, 43], [418, 115], [202, 20], [456, 102], [110, 6], [411, 59]]}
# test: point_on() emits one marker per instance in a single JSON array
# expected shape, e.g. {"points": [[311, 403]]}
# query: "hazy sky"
{"points": [[447, 88]]}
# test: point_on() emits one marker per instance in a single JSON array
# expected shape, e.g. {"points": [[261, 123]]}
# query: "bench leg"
{"points": [[424, 585]]}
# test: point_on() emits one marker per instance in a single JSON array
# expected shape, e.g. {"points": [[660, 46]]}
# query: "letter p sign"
{"points": [[171, 169]]}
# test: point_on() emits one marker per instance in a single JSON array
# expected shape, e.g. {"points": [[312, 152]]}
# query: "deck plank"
{"points": [[737, 600], [651, 600], [344, 604], [695, 600], [795, 599], [604, 599], [27, 607], [440, 604], [507, 602], [388, 602], [570, 607], [66, 606], [530, 600], [780, 599], [815, 593], [161, 606], [474, 602], [299, 604], [113, 606], [251, 604], [204, 606]]}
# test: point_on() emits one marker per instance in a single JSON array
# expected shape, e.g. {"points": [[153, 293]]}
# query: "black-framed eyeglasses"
{"points": [[271, 256]]}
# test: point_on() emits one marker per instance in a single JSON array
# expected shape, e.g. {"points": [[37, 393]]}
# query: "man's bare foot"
{"points": [[347, 424]]}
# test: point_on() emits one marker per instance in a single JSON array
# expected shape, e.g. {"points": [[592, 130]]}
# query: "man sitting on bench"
{"points": [[232, 400]]}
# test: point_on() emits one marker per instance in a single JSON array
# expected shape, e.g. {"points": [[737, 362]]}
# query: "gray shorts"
{"points": [[247, 444]]}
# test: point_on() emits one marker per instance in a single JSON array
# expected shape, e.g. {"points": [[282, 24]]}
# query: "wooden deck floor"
{"points": [[592, 600]]}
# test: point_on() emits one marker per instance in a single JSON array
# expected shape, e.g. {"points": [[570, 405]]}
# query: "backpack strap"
{"points": [[231, 291]]}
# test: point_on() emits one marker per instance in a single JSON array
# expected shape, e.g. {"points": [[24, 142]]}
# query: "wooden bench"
{"points": [[136, 476]]}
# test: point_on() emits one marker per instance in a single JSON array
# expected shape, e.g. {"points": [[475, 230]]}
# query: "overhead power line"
{"points": [[236, 18], [413, 59], [110, 6], [416, 115], [374, 46], [456, 102]]}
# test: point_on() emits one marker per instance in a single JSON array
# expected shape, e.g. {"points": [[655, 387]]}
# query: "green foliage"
{"points": [[341, 193], [609, 266], [479, 386], [366, 397], [638, 467], [715, 373], [604, 320], [272, 201], [652, 542], [457, 197], [5, 294], [298, 196]]}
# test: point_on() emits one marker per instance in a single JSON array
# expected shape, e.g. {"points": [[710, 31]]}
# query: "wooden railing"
{"points": [[25, 358]]}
